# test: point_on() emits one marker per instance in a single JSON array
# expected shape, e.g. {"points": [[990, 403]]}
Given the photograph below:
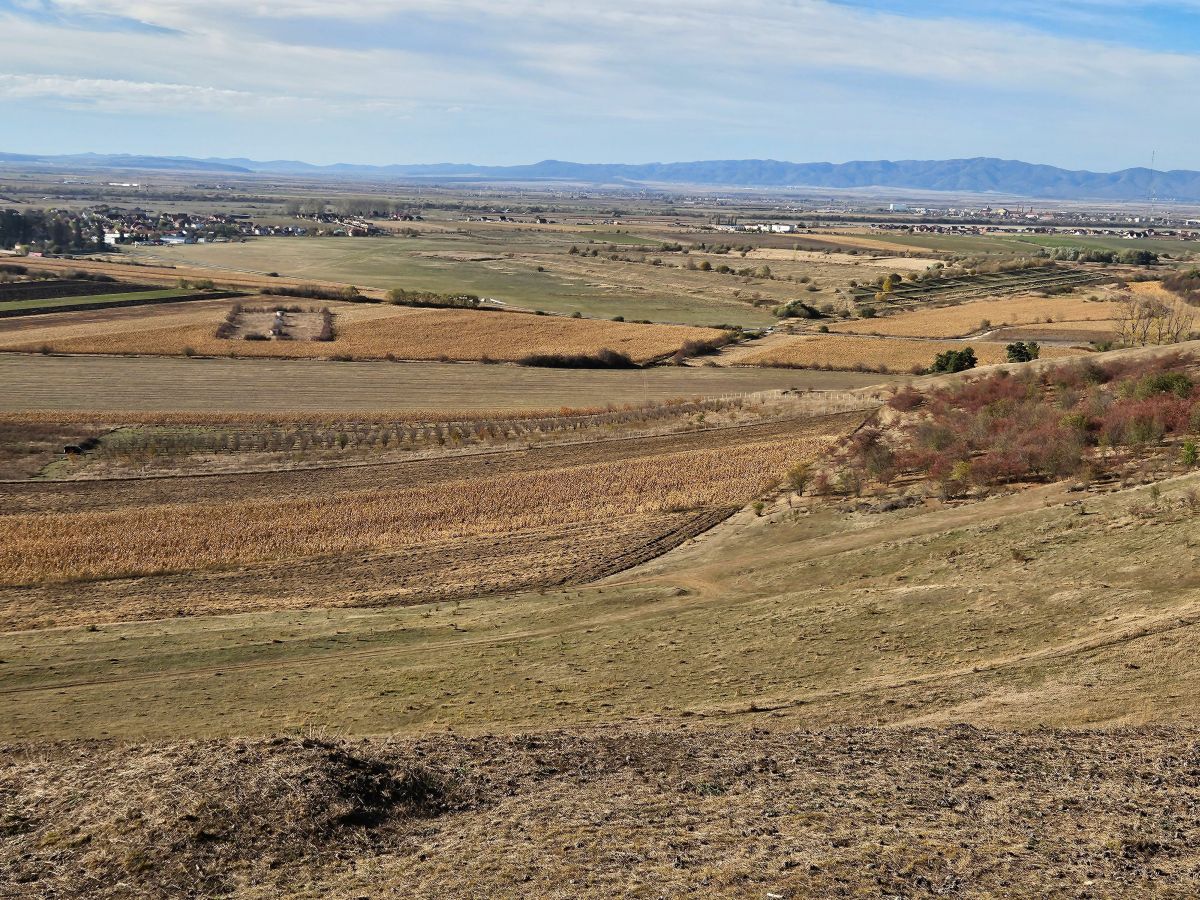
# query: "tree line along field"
{"points": [[370, 331], [876, 354]]}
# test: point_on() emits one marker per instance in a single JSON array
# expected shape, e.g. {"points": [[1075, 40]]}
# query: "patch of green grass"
{"points": [[107, 299], [1118, 244], [506, 271]]}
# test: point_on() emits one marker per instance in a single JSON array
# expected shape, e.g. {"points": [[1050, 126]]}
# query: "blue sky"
{"points": [[1094, 84]]}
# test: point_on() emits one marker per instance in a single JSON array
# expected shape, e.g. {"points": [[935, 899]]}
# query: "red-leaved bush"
{"points": [[1033, 426]]}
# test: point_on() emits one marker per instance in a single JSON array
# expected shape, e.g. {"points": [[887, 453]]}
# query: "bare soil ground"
{"points": [[304, 325], [646, 811]]}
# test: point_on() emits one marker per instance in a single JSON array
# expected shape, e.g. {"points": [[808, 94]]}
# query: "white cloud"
{"points": [[707, 61], [110, 94], [662, 38]]}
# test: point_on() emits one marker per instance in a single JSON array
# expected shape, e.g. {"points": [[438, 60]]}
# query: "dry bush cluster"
{"points": [[1184, 285], [1089, 419]]}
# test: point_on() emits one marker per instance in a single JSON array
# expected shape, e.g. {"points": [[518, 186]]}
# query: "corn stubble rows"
{"points": [[182, 537]]}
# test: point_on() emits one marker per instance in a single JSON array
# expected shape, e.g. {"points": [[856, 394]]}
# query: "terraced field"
{"points": [[981, 315], [965, 287]]}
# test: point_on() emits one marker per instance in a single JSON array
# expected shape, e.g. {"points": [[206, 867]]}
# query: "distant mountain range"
{"points": [[979, 175]]}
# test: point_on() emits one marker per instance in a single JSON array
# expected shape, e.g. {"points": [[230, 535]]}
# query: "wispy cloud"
{"points": [[708, 63]]}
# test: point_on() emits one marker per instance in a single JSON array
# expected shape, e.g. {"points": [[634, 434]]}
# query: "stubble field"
{"points": [[365, 331], [397, 532], [307, 387]]}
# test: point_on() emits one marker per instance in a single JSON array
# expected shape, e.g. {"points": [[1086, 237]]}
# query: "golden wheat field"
{"points": [[890, 354], [956, 321], [374, 332], [187, 536]]}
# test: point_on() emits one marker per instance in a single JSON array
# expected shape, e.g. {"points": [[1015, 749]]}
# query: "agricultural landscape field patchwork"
{"points": [[306, 592]]}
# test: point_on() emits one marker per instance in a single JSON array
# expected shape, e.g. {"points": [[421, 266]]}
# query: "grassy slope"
{"points": [[917, 616], [500, 266], [115, 299]]}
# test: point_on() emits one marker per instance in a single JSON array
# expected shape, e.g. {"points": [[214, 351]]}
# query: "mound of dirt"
{"points": [[625, 811], [191, 819]]}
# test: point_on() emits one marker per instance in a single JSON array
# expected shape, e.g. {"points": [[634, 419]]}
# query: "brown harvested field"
{"points": [[1073, 332], [888, 263], [368, 331], [882, 354], [98, 383], [967, 318], [386, 533], [49, 328]]}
